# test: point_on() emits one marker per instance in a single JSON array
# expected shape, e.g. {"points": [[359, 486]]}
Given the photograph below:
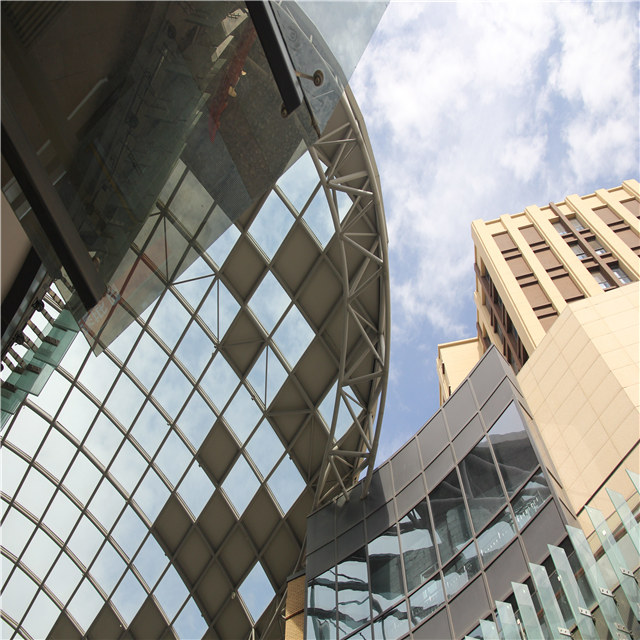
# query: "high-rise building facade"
{"points": [[557, 292], [529, 266]]}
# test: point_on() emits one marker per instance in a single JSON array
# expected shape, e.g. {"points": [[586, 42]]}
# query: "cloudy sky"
{"points": [[474, 111]]}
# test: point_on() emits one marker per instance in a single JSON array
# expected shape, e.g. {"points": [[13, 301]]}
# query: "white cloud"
{"points": [[476, 110]]}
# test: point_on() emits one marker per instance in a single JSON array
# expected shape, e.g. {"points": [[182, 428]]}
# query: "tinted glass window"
{"points": [[461, 570], [449, 517], [530, 500], [321, 606], [481, 484], [426, 600], [386, 576], [496, 536], [393, 624], [514, 453], [353, 593], [418, 551]]}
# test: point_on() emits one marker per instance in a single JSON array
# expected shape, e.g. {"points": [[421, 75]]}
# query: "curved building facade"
{"points": [[451, 520], [161, 488]]}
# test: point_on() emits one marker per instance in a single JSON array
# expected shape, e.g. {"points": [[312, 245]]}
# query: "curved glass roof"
{"points": [[161, 489]]}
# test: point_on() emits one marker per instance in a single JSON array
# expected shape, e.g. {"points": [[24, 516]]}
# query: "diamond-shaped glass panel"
{"points": [[98, 375], [27, 431], [63, 579], [104, 438], [196, 420], [318, 217], [147, 360], [12, 470], [265, 448], [220, 381], [77, 413], [129, 596], [195, 349], [82, 478], [106, 504], [169, 319], [171, 592], [173, 458], [172, 389], [40, 553], [149, 428], [195, 281], [271, 224], [61, 515], [17, 594], [129, 532], [85, 541], [16, 530], [125, 400], [150, 561], [242, 414], [286, 484], [269, 302], [41, 617], [221, 248], [35, 492], [56, 453], [326, 411], [196, 489], [293, 336], [108, 567], [241, 485], [190, 623], [128, 466], [256, 591], [85, 604], [299, 181], [267, 368]]}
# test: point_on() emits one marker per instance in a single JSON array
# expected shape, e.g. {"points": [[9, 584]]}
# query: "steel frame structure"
{"points": [[350, 331]]}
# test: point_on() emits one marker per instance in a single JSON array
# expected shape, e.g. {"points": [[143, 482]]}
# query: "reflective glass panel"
{"points": [[461, 570], [386, 576], [481, 484], [393, 624], [449, 517], [418, 549], [426, 600], [530, 500], [514, 453], [321, 606], [496, 536], [353, 593]]}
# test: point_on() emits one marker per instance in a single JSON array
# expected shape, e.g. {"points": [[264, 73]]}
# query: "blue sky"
{"points": [[476, 110]]}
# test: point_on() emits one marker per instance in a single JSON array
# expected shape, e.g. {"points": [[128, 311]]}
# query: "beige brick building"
{"points": [[557, 292]]}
